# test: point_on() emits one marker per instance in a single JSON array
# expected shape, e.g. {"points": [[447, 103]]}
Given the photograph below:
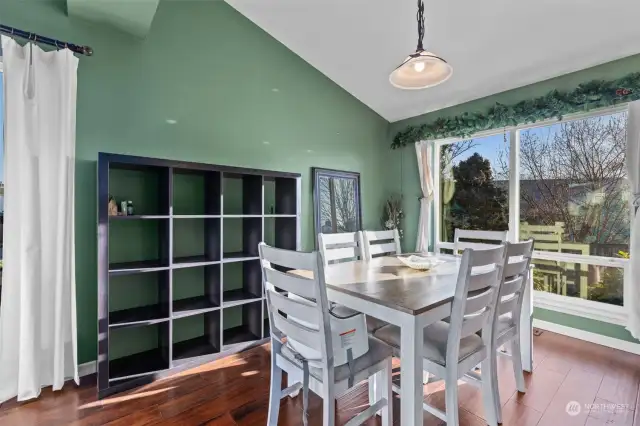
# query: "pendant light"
{"points": [[421, 69]]}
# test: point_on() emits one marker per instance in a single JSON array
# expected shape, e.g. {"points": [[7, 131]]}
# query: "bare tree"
{"points": [[338, 205], [575, 173]]}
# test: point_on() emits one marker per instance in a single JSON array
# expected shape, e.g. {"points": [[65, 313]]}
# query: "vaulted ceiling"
{"points": [[493, 45], [132, 16]]}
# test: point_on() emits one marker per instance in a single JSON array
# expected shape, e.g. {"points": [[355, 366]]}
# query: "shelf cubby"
{"points": [[242, 282], [196, 336], [241, 194], [179, 281], [196, 242], [281, 232], [196, 193], [242, 323], [241, 237], [196, 290], [138, 246], [138, 299], [138, 351], [146, 186]]}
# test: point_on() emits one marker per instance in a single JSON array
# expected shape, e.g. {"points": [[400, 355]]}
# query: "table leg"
{"points": [[526, 326], [411, 398]]}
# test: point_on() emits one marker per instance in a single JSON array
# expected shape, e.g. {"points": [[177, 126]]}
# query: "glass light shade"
{"points": [[420, 71]]}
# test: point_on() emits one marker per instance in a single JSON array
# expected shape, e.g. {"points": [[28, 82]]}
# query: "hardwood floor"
{"points": [[234, 392]]}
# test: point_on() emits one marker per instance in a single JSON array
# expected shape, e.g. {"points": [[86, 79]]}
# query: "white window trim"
{"points": [[564, 304]]}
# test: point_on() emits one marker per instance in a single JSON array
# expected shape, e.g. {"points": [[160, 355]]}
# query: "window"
{"points": [[563, 184], [574, 199], [474, 185]]}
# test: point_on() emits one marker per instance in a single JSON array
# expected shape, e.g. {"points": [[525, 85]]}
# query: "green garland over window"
{"points": [[592, 95]]}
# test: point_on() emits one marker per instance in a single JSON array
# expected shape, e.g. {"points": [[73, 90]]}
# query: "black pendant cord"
{"points": [[420, 17]]}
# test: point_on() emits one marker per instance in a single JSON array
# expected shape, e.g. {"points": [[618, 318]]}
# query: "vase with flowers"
{"points": [[393, 214]]}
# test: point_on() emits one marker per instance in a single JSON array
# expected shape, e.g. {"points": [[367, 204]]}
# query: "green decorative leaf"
{"points": [[587, 96]]}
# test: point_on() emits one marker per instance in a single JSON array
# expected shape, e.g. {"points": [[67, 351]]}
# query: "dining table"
{"points": [[387, 289]]}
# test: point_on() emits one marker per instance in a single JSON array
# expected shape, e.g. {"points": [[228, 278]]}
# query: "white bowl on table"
{"points": [[420, 262]]}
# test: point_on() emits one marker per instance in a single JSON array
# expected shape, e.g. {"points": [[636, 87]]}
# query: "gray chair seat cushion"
{"points": [[378, 351], [435, 341], [373, 324]]}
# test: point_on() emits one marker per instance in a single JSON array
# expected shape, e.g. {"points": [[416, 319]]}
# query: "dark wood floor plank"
{"points": [[224, 420], [233, 391], [578, 387], [542, 385]]}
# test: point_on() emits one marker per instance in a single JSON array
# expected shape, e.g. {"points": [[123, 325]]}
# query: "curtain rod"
{"points": [[36, 38]]}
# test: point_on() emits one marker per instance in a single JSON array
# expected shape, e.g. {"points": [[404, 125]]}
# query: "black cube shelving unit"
{"points": [[179, 282]]}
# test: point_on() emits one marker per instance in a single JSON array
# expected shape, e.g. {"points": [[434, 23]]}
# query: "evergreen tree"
{"points": [[477, 203]]}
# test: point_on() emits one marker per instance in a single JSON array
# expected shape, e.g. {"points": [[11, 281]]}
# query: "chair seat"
{"points": [[373, 324], [378, 352], [435, 341]]}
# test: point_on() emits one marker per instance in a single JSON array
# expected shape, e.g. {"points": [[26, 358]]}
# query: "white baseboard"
{"points": [[87, 368], [587, 336]]}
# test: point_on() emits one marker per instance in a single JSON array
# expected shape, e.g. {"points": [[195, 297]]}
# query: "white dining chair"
{"points": [[341, 247], [477, 240], [345, 247], [381, 243], [451, 349], [509, 308], [308, 351]]}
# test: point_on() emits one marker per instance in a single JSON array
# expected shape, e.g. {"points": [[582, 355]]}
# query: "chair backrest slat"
{"points": [[477, 240], [508, 305], [474, 323], [378, 249], [483, 280], [511, 286], [380, 243], [342, 253], [515, 278], [478, 301], [346, 246], [291, 283], [486, 257], [516, 266], [297, 331], [297, 307], [289, 259]]}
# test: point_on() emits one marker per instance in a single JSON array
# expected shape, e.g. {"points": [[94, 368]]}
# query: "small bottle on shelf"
{"points": [[129, 208]]}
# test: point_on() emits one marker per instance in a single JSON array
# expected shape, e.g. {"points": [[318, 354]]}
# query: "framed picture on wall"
{"points": [[336, 201]]}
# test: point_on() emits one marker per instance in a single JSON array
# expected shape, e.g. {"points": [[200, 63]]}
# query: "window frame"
{"points": [[565, 304]]}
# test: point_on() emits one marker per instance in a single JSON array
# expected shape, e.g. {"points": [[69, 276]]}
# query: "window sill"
{"points": [[580, 307]]}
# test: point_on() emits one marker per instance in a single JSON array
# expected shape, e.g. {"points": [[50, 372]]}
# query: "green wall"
{"points": [[239, 98], [404, 167]]}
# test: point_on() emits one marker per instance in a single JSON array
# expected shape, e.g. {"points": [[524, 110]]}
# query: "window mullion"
{"points": [[514, 185]]}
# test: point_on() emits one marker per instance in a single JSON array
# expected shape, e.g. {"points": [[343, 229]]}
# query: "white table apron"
{"points": [[411, 335]]}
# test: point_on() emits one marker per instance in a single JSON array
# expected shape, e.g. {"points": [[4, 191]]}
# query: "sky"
{"points": [[490, 147]]}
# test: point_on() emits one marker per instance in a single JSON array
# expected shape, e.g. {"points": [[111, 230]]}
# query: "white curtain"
{"points": [[38, 312], [423, 153], [633, 172]]}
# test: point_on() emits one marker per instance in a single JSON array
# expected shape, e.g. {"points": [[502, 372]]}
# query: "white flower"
{"points": [[389, 224]]}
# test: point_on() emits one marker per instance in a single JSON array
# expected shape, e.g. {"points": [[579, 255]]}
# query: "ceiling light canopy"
{"points": [[421, 69]]}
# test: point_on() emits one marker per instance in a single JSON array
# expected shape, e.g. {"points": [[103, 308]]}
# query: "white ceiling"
{"points": [[493, 45]]}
